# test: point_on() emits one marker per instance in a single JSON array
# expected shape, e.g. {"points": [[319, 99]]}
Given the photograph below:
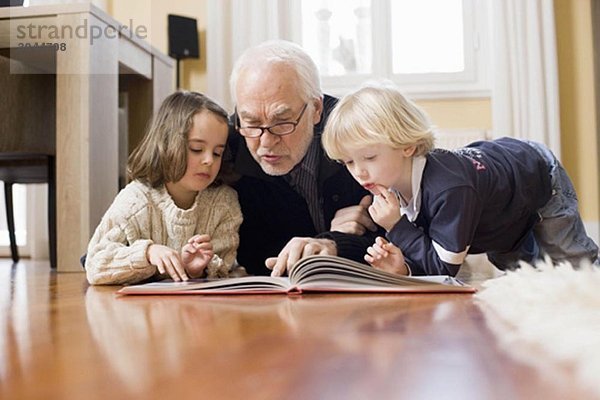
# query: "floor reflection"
{"points": [[23, 292], [171, 334], [341, 345], [372, 340]]}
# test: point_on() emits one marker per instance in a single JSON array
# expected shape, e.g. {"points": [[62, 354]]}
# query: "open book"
{"points": [[317, 273]]}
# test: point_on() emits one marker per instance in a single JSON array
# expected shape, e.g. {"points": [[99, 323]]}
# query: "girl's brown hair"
{"points": [[161, 156]]}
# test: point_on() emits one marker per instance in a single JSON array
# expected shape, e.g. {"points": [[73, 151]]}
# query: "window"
{"points": [[430, 48], [20, 212]]}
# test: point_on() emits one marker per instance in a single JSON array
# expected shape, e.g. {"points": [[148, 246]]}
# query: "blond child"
{"points": [[172, 220], [508, 198]]}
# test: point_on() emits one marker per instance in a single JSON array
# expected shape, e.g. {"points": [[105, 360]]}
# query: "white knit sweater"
{"points": [[140, 216]]}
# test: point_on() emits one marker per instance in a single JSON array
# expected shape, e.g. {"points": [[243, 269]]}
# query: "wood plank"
{"points": [[136, 59], [87, 141], [164, 82]]}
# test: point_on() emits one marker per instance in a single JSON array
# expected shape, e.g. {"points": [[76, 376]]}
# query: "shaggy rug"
{"points": [[552, 310]]}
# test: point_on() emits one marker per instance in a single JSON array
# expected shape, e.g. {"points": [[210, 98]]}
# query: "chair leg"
{"points": [[52, 212], [10, 220]]}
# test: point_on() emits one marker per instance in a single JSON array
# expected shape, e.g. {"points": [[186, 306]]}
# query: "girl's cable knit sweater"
{"points": [[140, 216]]}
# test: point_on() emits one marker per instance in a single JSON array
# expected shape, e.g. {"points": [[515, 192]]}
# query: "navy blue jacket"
{"points": [[481, 198]]}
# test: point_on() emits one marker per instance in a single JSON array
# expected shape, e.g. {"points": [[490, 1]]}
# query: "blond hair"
{"points": [[376, 113], [161, 156]]}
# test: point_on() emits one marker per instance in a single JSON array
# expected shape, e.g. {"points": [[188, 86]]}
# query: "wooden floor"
{"points": [[60, 339]]}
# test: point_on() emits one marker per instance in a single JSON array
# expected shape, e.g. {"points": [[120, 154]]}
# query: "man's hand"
{"points": [[296, 249], [166, 261], [354, 219], [196, 254], [386, 256], [385, 209]]}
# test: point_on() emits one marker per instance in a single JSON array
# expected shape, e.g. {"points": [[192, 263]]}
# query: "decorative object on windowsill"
{"points": [[183, 39], [548, 313]]}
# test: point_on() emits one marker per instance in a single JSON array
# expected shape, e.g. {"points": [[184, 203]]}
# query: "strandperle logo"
{"points": [[60, 33]]}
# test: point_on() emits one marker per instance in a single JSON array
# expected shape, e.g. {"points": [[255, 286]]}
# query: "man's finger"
{"points": [[295, 253], [310, 249], [352, 227], [280, 265], [270, 262], [365, 220], [366, 201]]}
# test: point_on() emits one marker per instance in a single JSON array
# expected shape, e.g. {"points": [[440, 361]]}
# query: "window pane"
{"points": [[337, 34], [427, 36], [20, 215]]}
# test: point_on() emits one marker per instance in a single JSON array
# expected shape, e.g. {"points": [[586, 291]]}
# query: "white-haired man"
{"points": [[295, 201]]}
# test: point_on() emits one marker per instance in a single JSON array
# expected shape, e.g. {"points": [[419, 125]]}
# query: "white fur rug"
{"points": [[553, 310]]}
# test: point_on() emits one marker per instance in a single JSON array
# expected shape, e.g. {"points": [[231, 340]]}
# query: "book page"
{"points": [[254, 284], [331, 273]]}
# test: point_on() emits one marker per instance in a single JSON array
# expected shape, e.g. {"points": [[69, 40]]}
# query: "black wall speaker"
{"points": [[11, 3], [183, 37]]}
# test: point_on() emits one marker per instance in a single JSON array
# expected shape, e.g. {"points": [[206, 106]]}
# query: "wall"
{"points": [[579, 140], [153, 15], [459, 113]]}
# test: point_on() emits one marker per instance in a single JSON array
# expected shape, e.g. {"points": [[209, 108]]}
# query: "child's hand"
{"points": [[385, 209], [166, 261], [386, 256], [196, 254]]}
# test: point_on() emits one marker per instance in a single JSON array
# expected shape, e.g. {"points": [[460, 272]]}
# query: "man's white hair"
{"points": [[285, 52]]}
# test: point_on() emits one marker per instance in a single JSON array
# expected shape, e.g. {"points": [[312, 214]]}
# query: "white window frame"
{"points": [[473, 82]]}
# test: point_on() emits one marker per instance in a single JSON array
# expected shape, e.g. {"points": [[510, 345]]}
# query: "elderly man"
{"points": [[295, 201]]}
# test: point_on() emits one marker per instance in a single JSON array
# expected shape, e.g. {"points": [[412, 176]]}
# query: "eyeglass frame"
{"points": [[238, 128]]}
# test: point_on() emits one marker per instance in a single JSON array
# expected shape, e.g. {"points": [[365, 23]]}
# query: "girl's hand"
{"points": [[385, 209], [196, 254], [386, 256], [167, 261]]}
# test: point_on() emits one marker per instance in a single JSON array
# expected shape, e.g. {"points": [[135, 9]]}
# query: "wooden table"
{"points": [[69, 65], [60, 338]]}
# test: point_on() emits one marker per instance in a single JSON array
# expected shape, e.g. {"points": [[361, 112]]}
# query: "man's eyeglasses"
{"points": [[279, 129]]}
